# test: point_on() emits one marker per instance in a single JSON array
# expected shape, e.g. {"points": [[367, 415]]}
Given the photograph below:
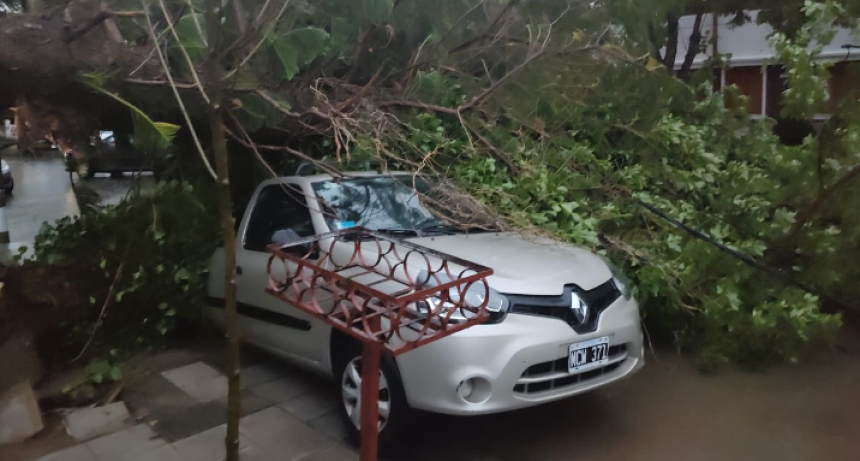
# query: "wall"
{"points": [[748, 44]]}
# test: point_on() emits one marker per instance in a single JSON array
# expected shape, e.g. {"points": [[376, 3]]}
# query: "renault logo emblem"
{"points": [[578, 307]]}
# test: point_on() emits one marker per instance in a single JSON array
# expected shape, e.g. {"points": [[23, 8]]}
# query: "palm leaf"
{"points": [[148, 134]]}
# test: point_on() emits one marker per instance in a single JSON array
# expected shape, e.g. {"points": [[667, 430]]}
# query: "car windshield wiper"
{"points": [[457, 229], [398, 232], [441, 228]]}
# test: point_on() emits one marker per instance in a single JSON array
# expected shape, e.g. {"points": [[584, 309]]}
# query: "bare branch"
{"points": [[498, 154], [252, 145], [260, 42], [179, 99], [182, 49], [265, 95], [99, 18], [504, 11]]}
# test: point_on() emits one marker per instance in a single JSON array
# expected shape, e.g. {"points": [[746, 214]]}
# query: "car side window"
{"points": [[280, 215]]}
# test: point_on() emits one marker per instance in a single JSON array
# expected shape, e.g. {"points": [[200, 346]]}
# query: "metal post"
{"points": [[370, 356]]}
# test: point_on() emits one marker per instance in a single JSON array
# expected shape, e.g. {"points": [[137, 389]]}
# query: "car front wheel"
{"points": [[394, 410]]}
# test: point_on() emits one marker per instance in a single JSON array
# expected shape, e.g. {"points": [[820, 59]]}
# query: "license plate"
{"points": [[588, 354]]}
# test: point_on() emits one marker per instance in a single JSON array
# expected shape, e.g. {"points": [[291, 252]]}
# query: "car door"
{"points": [[264, 320]]}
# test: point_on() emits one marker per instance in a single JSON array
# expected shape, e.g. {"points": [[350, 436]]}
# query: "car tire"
{"points": [[399, 414]]}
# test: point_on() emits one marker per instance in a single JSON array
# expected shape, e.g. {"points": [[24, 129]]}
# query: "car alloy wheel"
{"points": [[351, 393]]}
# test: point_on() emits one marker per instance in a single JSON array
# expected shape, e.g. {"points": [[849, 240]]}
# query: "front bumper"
{"points": [[501, 354]]}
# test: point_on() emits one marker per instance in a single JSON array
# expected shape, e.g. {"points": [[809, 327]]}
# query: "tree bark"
{"points": [[671, 41], [693, 50], [225, 202]]}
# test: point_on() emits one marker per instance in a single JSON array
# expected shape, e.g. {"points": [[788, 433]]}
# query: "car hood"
{"points": [[524, 265]]}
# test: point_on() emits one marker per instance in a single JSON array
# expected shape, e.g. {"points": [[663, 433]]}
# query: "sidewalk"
{"points": [[179, 415]]}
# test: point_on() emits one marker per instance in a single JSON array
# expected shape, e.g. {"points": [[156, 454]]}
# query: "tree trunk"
{"points": [[219, 145], [671, 41], [693, 50]]}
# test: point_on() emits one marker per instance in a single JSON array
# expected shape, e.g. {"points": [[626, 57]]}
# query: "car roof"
{"points": [[327, 177]]}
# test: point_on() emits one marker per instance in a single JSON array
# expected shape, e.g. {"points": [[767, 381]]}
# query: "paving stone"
{"points": [[78, 453], [266, 423], [295, 443], [165, 453], [259, 374], [20, 417], [150, 385], [194, 420], [250, 402], [208, 389], [335, 453], [207, 445], [190, 374], [87, 423], [331, 425], [146, 403], [282, 390], [310, 406], [125, 445]]}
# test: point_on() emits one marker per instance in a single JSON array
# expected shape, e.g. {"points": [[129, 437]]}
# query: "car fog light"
{"points": [[474, 390], [465, 388]]}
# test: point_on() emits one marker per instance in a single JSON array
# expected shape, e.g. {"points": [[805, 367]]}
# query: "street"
{"points": [[42, 194], [670, 411]]}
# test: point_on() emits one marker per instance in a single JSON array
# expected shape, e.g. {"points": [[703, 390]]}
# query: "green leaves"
{"points": [[297, 48], [191, 30], [148, 134], [164, 240]]}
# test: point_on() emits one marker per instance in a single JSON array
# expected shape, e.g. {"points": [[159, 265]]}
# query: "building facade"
{"points": [[751, 64]]}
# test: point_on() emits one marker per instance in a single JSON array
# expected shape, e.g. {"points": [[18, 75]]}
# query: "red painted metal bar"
{"points": [[371, 354], [391, 295]]}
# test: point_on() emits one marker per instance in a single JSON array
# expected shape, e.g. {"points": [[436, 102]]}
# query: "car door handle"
{"points": [[238, 270]]}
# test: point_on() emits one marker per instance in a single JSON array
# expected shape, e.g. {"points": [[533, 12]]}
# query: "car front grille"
{"points": [[552, 375], [597, 300]]}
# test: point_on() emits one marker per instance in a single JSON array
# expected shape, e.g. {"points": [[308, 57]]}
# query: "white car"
{"points": [[570, 325]]}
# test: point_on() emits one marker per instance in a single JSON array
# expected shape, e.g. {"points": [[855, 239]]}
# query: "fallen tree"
{"points": [[537, 108]]}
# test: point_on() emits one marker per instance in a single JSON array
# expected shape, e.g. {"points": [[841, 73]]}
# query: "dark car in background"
{"points": [[107, 155], [7, 182]]}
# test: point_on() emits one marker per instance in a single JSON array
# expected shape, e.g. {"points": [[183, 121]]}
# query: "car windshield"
{"points": [[386, 203]]}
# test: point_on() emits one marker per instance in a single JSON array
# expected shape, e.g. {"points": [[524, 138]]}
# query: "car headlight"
{"points": [[497, 303], [4, 166], [620, 280]]}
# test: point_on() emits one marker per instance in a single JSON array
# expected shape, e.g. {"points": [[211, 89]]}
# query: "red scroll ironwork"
{"points": [[380, 290]]}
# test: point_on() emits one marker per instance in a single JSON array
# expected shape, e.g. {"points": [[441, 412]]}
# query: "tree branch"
{"points": [[806, 215], [179, 102], [693, 49], [671, 41], [254, 146], [486, 33], [99, 18], [183, 50], [498, 154]]}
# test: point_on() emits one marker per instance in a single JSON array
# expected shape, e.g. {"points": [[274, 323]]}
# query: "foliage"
{"points": [[148, 134], [555, 115], [149, 255]]}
